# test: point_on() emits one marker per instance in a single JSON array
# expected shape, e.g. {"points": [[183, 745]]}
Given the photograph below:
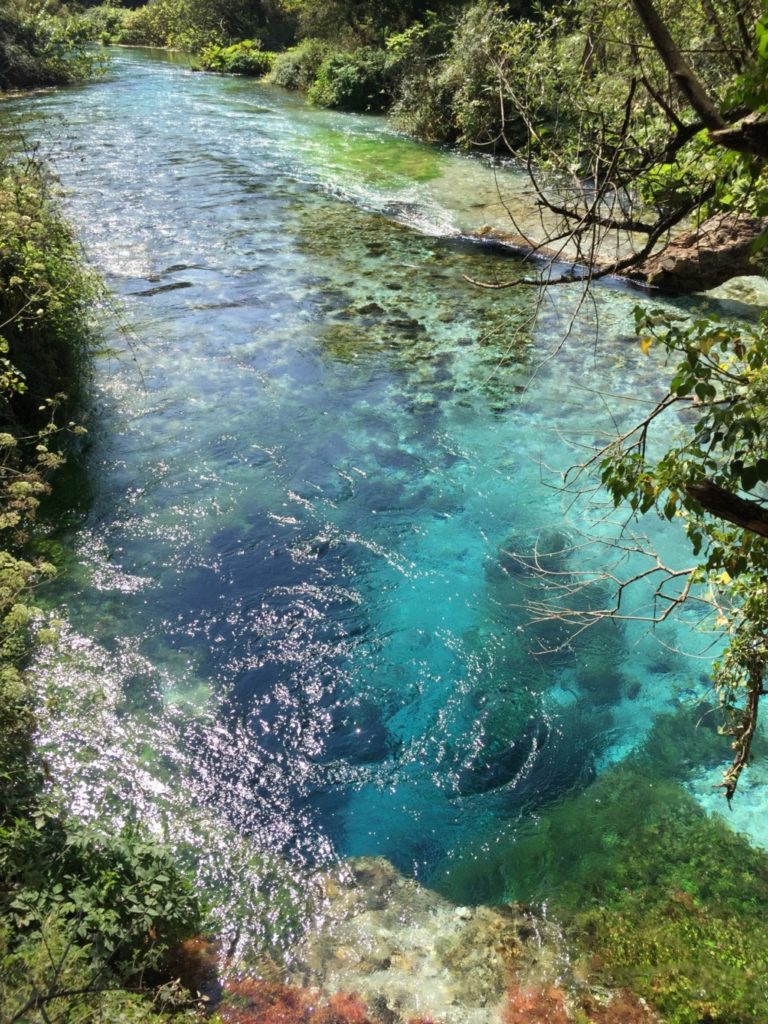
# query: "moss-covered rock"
{"points": [[658, 897]]}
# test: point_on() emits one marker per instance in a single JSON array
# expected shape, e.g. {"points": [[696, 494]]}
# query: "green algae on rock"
{"points": [[658, 896]]}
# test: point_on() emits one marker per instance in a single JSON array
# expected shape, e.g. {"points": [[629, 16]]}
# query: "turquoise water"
{"points": [[295, 630]]}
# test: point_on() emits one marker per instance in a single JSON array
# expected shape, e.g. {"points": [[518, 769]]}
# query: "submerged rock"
{"points": [[751, 290], [409, 953]]}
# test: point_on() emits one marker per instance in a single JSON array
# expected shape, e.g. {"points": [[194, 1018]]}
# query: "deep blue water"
{"points": [[294, 623]]}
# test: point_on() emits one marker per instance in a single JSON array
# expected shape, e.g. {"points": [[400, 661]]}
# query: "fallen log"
{"points": [[701, 258]]}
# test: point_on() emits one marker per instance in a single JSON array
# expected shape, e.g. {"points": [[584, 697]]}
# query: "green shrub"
{"points": [[450, 87], [39, 49], [297, 68], [46, 295], [121, 896], [161, 23], [45, 298], [104, 23], [361, 80], [244, 58], [193, 24], [20, 774], [424, 94], [352, 23], [44, 977], [170, 23]]}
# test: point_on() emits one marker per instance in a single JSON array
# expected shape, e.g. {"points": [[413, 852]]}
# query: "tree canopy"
{"points": [[685, 140], [635, 123]]}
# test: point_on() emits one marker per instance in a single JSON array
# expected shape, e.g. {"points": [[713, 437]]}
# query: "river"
{"points": [[295, 632]]}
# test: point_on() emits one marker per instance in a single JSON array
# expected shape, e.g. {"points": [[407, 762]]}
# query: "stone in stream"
{"points": [[410, 953]]}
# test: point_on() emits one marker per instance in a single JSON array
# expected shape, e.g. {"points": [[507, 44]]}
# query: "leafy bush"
{"points": [[424, 104], [44, 977], [104, 23], [193, 24], [245, 58], [453, 94], [39, 49], [20, 775], [352, 23], [45, 296], [162, 23], [297, 68], [121, 896], [361, 81]]}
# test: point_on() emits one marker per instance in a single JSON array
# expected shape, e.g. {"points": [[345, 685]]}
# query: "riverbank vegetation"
{"points": [[40, 48], [580, 92], [88, 920]]}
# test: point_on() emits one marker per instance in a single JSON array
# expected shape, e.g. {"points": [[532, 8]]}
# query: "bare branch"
{"points": [[745, 730]]}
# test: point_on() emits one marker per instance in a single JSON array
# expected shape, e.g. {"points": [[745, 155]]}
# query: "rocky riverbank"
{"points": [[389, 951]]}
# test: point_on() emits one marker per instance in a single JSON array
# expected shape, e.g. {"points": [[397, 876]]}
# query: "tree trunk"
{"points": [[678, 66], [743, 512], [705, 257]]}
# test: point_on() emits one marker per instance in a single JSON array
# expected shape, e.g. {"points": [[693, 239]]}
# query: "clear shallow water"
{"points": [[294, 631]]}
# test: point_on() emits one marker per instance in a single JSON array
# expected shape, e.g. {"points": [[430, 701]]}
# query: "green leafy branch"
{"points": [[712, 478]]}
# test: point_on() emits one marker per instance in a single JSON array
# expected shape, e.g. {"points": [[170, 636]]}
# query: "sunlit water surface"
{"points": [[295, 631]]}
